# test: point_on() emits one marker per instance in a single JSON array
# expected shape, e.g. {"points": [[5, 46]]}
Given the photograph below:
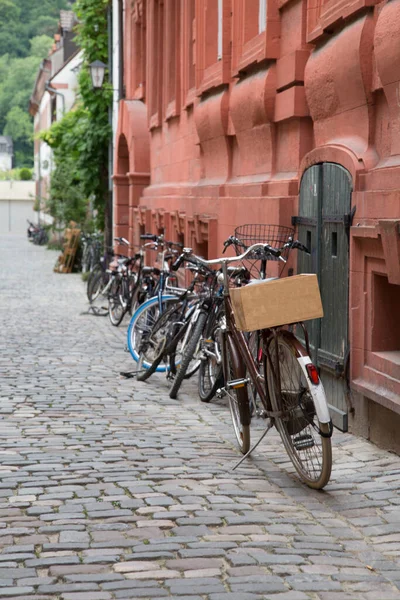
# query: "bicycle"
{"points": [[173, 332], [162, 293], [289, 388], [124, 292]]}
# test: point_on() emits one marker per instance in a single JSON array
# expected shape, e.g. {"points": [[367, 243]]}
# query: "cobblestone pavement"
{"points": [[109, 489]]}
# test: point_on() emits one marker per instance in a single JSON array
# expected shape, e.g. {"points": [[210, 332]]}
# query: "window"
{"points": [[172, 72], [220, 29], [213, 43], [262, 15], [155, 61], [256, 29]]}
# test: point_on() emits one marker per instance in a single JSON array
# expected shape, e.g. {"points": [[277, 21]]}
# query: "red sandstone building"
{"points": [[276, 111]]}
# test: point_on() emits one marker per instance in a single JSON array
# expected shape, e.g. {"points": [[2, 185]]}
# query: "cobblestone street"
{"points": [[111, 490]]}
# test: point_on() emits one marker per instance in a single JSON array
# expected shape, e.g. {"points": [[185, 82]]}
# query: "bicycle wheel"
{"points": [[92, 276], [187, 355], [85, 258], [98, 291], [299, 427], [154, 345], [210, 373], [116, 308], [254, 343], [238, 397], [185, 337], [142, 323]]}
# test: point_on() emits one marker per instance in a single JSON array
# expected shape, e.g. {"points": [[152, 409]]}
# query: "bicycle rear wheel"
{"points": [[234, 370], [210, 373], [301, 432]]}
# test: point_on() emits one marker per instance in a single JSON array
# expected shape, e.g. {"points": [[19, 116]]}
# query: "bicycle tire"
{"points": [[116, 310], [238, 398], [90, 279], [164, 320], [98, 283], [85, 259], [210, 373], [188, 355], [309, 451], [133, 339]]}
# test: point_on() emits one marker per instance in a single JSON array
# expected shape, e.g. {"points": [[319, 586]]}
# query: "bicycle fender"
{"points": [[317, 391]]}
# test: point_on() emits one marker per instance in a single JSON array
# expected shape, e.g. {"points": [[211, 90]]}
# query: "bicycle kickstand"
{"points": [[270, 425]]}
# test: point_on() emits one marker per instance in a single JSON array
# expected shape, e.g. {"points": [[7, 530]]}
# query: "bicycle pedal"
{"points": [[303, 442], [220, 393], [235, 384]]}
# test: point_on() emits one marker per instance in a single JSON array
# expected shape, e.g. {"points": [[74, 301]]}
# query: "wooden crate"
{"points": [[66, 260]]}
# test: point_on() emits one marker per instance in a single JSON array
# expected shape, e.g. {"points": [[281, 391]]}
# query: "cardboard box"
{"points": [[278, 302]]}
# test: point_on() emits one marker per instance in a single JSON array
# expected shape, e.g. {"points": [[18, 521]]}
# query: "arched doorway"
{"points": [[323, 226]]}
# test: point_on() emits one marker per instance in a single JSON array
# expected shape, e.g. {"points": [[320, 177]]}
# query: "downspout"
{"points": [[52, 90]]}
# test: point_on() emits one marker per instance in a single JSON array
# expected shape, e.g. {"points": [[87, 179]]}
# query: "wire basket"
{"points": [[275, 236]]}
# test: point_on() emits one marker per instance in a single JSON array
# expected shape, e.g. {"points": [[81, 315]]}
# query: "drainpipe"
{"points": [[52, 90], [110, 211]]}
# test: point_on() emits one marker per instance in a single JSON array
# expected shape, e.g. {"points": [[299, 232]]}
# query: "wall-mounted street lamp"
{"points": [[97, 70]]}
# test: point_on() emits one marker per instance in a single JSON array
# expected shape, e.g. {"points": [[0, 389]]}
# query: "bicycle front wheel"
{"points": [[187, 356], [141, 325], [301, 432], [154, 345], [210, 373], [97, 292], [116, 309]]}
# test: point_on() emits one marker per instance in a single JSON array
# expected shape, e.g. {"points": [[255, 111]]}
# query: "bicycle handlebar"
{"points": [[159, 239], [188, 252], [121, 240]]}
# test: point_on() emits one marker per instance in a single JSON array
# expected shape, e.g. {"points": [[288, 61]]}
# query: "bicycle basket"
{"points": [[275, 236]]}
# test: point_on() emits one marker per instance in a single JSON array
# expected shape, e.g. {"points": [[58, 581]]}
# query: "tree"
{"points": [[40, 46], [8, 11], [26, 35], [19, 127]]}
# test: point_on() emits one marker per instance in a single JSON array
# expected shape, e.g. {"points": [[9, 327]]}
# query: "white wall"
{"points": [[67, 76], [16, 206], [5, 162]]}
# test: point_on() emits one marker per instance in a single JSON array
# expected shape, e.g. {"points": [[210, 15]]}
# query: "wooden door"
{"points": [[323, 226]]}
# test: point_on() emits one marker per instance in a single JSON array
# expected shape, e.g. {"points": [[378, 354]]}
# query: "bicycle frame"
{"points": [[243, 349]]}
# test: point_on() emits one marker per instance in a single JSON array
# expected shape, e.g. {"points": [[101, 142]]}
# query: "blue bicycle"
{"points": [[164, 292]]}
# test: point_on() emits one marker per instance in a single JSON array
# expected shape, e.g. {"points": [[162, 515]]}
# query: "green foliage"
{"points": [[16, 175], [40, 46], [80, 140], [8, 11], [21, 20], [26, 35], [17, 76], [18, 125]]}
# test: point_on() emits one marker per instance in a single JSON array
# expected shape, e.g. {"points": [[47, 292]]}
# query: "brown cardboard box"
{"points": [[278, 302]]}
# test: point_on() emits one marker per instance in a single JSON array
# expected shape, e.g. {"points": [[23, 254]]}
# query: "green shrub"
{"points": [[25, 174]]}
